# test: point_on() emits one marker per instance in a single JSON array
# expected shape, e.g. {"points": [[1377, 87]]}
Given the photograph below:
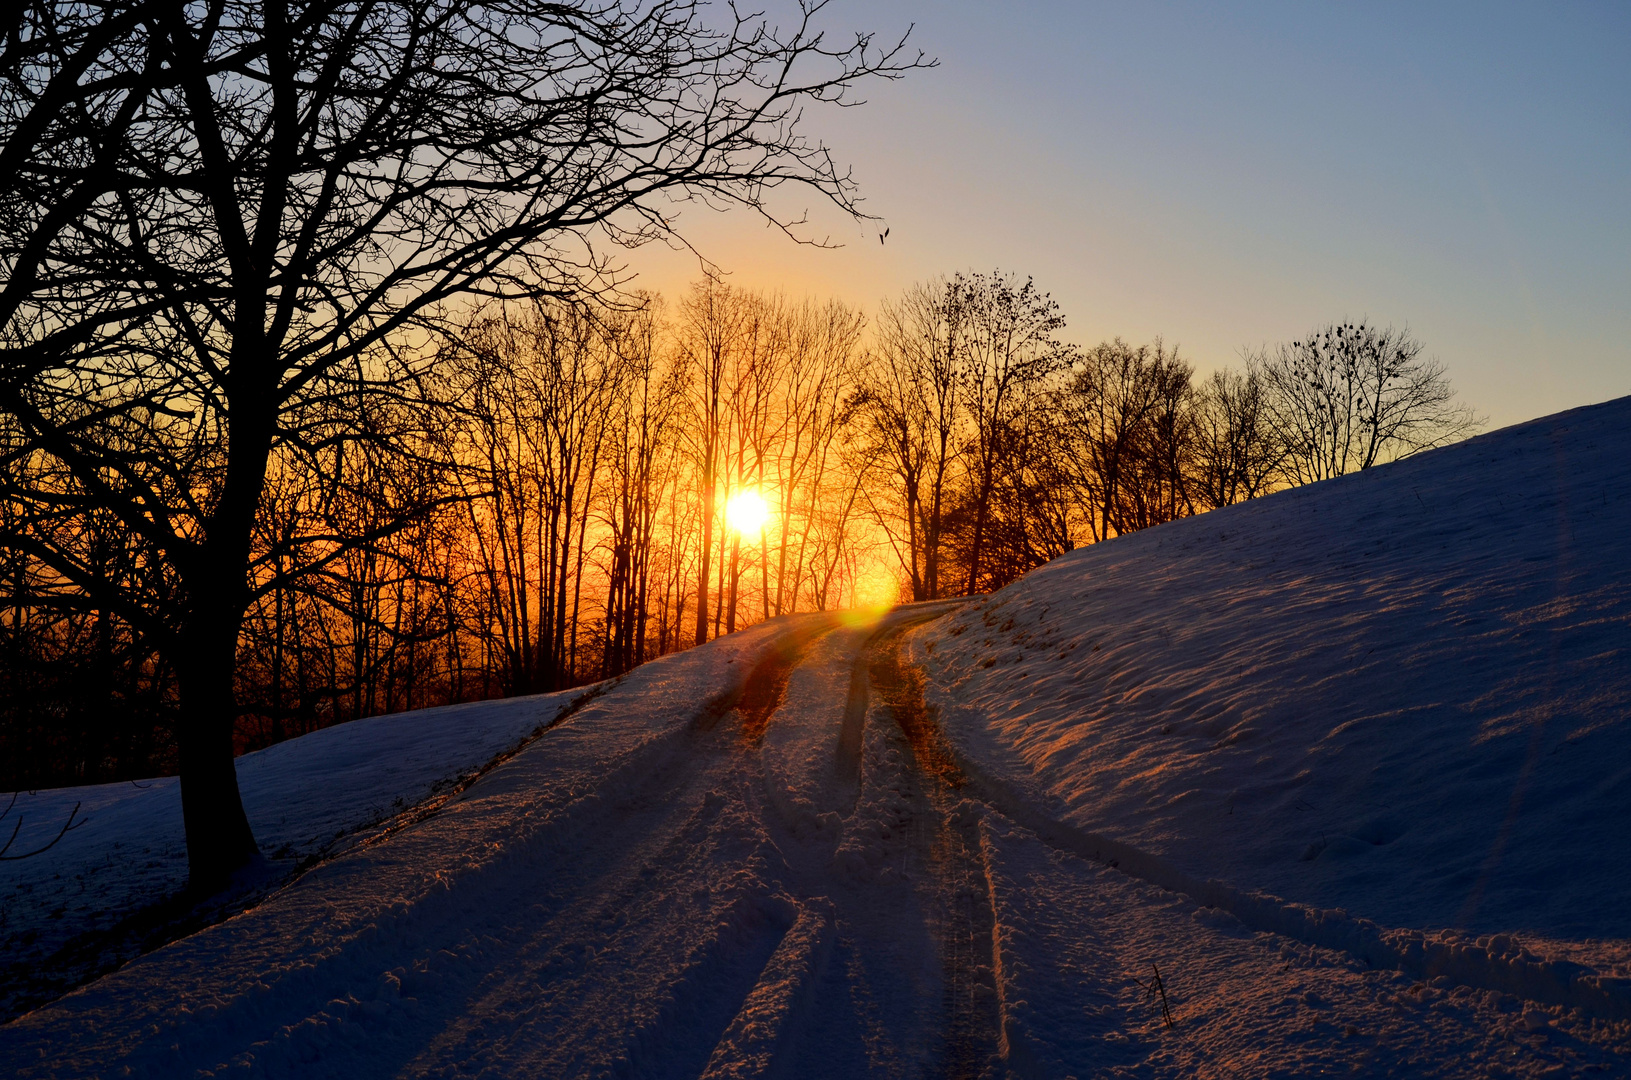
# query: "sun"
{"points": [[746, 512]]}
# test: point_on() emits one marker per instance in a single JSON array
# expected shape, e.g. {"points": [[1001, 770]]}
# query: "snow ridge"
{"points": [[753, 1044]]}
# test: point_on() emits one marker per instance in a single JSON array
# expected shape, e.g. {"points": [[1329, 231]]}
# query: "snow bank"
{"points": [[301, 796], [1400, 699]]}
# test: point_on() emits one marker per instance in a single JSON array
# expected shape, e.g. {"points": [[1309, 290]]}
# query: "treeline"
{"points": [[546, 504], [1005, 446]]}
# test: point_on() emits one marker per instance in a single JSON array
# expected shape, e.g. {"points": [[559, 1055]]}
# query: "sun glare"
{"points": [[746, 512]]}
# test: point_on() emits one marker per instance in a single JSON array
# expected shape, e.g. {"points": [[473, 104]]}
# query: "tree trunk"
{"points": [[707, 553], [981, 511], [736, 580], [219, 840]]}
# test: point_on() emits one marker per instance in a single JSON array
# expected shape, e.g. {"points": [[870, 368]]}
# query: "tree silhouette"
{"points": [[229, 232], [1350, 395]]}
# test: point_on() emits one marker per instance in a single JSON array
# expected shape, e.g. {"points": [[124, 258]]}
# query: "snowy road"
{"points": [[702, 873]]}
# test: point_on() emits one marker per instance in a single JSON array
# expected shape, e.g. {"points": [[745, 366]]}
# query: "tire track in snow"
{"points": [[766, 685], [847, 762], [912, 976], [966, 927], [756, 1041], [904, 986], [669, 978]]}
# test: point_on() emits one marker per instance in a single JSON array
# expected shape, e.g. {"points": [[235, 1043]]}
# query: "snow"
{"points": [[1343, 768], [1078, 944], [1404, 695], [303, 797]]}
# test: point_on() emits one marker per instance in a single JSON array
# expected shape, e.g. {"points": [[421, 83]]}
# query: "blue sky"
{"points": [[1225, 176]]}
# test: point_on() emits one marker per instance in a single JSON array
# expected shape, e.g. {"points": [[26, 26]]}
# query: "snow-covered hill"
{"points": [[1405, 693]]}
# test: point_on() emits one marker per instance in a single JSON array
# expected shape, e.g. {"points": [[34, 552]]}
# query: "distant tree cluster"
{"points": [[545, 508], [1005, 446], [557, 516]]}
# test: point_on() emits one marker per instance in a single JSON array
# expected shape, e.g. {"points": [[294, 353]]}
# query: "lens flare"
{"points": [[747, 512]]}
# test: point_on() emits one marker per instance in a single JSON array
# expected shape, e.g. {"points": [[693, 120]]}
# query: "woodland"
{"points": [[575, 488]]}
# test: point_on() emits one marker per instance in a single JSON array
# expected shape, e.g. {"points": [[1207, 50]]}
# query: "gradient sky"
{"points": [[1225, 177]]}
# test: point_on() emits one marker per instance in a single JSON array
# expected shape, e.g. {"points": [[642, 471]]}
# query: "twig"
{"points": [[1154, 989], [15, 829]]}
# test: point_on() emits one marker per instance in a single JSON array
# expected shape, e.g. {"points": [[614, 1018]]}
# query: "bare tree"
{"points": [[710, 340], [1237, 455], [1034, 516], [1010, 355], [910, 403], [760, 361], [1156, 478], [1350, 396], [642, 461], [225, 226], [1113, 405], [813, 414]]}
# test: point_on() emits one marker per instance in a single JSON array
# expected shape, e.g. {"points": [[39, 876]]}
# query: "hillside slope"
{"points": [[1405, 693]]}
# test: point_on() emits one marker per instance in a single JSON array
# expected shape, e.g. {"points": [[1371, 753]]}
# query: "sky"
{"points": [[1226, 176]]}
